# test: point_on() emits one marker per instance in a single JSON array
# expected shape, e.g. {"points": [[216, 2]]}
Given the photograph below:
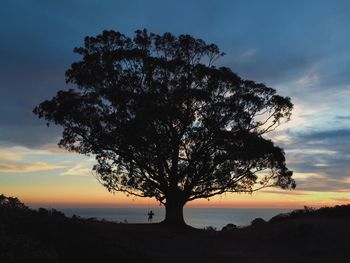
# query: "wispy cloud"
{"points": [[308, 176], [77, 170], [28, 168], [8, 155], [247, 55], [310, 79], [24, 160], [326, 134], [343, 117], [342, 199], [284, 192]]}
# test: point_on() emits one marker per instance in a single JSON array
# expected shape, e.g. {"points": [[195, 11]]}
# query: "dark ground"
{"points": [[48, 236]]}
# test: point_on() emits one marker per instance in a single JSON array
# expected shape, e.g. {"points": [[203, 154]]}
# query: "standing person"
{"points": [[150, 216]]}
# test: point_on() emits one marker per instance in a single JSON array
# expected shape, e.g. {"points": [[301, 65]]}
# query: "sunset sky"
{"points": [[300, 48]]}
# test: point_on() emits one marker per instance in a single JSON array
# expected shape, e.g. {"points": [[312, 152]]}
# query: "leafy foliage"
{"points": [[11, 203], [337, 211], [163, 121]]}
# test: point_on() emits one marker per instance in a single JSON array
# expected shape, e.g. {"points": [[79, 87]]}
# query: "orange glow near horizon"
{"points": [[66, 180], [101, 198]]}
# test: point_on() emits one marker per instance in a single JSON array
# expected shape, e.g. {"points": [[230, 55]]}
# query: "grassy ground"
{"points": [[49, 236]]}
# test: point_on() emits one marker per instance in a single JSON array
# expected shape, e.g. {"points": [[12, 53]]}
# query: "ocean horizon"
{"points": [[196, 217]]}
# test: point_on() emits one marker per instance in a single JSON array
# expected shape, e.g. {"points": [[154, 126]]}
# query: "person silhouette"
{"points": [[150, 216]]}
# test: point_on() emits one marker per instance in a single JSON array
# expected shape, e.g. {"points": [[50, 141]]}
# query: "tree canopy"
{"points": [[164, 121]]}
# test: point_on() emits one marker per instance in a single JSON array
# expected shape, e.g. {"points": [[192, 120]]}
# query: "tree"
{"points": [[163, 121], [11, 203]]}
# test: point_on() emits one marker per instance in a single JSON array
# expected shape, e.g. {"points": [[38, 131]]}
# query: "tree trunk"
{"points": [[174, 213]]}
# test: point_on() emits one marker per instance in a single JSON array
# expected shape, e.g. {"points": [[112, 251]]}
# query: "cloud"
{"points": [[28, 168], [313, 72], [285, 192], [20, 159], [77, 170], [310, 79], [52, 148], [342, 199], [29, 136], [319, 158], [7, 155], [325, 135], [321, 165], [307, 176], [315, 152], [25, 160], [325, 185], [245, 56], [343, 117]]}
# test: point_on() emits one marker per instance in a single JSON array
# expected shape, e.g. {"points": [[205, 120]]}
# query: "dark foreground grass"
{"points": [[48, 236]]}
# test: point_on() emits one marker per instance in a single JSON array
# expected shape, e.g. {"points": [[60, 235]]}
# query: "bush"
{"points": [[11, 203], [210, 228], [229, 227], [258, 222]]}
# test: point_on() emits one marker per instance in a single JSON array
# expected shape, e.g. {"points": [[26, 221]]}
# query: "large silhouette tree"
{"points": [[163, 121]]}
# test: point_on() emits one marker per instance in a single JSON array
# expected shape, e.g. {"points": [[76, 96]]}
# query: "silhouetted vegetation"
{"points": [[43, 235], [229, 227], [306, 235], [258, 222], [337, 211], [163, 121]]}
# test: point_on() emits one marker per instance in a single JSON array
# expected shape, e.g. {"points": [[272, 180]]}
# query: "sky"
{"points": [[300, 48]]}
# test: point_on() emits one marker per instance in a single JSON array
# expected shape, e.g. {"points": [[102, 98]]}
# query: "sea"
{"points": [[196, 217]]}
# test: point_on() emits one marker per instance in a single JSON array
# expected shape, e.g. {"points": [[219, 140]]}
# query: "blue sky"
{"points": [[300, 48]]}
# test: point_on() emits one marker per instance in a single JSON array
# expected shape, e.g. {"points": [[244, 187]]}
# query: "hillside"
{"points": [[48, 236]]}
